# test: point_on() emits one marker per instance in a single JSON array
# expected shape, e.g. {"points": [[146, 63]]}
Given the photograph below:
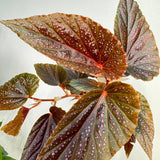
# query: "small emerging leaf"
{"points": [[13, 127], [14, 93], [144, 132], [97, 126], [51, 74], [85, 84], [129, 145], [138, 41], [74, 41], [40, 132]]}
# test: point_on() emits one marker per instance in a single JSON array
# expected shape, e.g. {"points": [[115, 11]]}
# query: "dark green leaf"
{"points": [[85, 84], [129, 145], [144, 132], [7, 158], [0, 124], [74, 41], [14, 126], [3, 154], [97, 126], [14, 93], [40, 132], [138, 41], [51, 74]]}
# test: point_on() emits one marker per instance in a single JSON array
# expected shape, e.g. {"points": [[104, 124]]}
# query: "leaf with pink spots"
{"points": [[40, 132], [74, 41], [14, 93], [97, 126], [144, 132], [138, 41]]}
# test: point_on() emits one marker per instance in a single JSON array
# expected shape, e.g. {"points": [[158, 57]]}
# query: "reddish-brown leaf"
{"points": [[14, 93], [132, 29], [74, 41], [14, 126], [40, 132], [96, 127], [129, 145]]}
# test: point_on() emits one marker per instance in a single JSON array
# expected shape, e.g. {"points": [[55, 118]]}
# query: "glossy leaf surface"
{"points": [[85, 84], [74, 41], [15, 92], [129, 145], [51, 74], [40, 132], [97, 126], [138, 41], [14, 126], [144, 132]]}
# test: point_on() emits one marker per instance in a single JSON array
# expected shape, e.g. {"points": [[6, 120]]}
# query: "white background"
{"points": [[17, 57]]}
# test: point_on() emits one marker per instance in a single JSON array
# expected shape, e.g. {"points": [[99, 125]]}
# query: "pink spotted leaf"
{"points": [[97, 126], [74, 41], [144, 132], [14, 93], [138, 41], [40, 132]]}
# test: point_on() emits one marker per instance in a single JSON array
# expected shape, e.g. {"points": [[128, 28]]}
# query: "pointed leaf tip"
{"points": [[138, 41], [144, 131], [40, 133], [14, 126], [97, 126], [74, 41]]}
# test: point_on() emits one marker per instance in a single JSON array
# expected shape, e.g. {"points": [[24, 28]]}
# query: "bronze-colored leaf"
{"points": [[74, 41], [97, 126], [14, 126], [14, 93], [144, 132], [138, 41], [129, 145], [51, 74], [40, 133]]}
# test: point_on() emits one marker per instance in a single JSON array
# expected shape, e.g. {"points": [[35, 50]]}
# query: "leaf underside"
{"points": [[144, 132], [15, 92], [40, 132], [74, 41], [97, 126], [138, 41], [14, 126], [85, 84]]}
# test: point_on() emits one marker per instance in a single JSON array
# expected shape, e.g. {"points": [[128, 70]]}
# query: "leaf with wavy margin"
{"points": [[97, 126], [51, 74], [40, 132], [74, 41], [144, 132], [14, 126], [14, 93], [138, 41]]}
